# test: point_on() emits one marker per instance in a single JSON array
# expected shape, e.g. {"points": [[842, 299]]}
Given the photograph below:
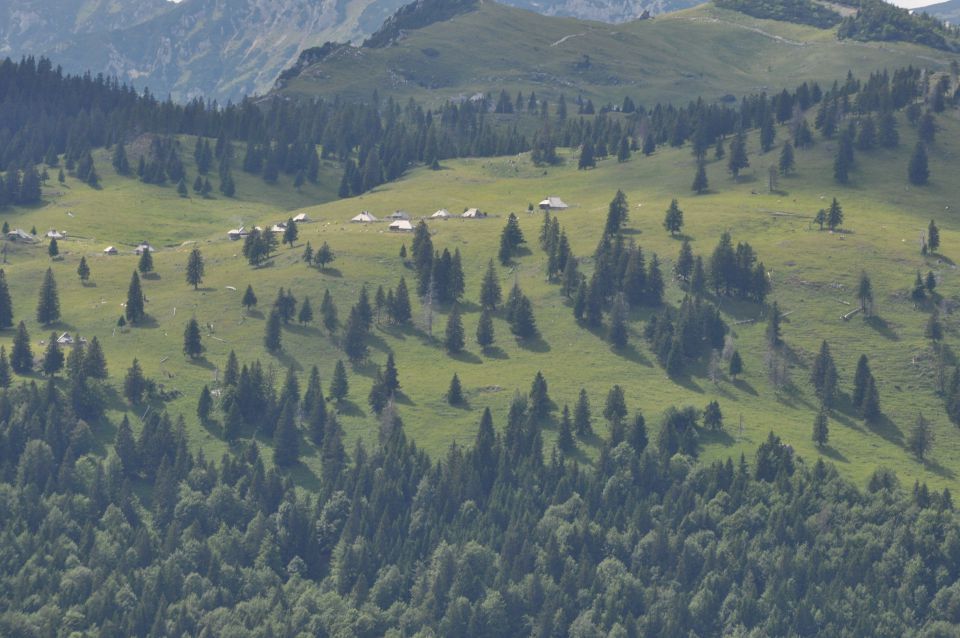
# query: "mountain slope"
{"points": [[703, 51], [948, 11]]}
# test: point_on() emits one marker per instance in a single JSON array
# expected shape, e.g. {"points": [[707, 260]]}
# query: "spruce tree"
{"points": [[786, 162], [272, 336], [53, 357], [354, 335], [134, 383], [565, 439], [523, 324], [736, 365], [823, 375], [834, 215], [195, 268], [485, 333], [933, 237], [391, 378], [918, 171], [204, 404], [581, 415], [290, 233], [920, 439], [286, 438], [454, 336], [454, 394], [305, 315], [615, 408], [865, 294], [490, 292], [773, 326], [673, 219], [700, 182], [870, 409], [919, 292], [5, 378], [821, 429], [21, 356], [249, 298], [134, 311], [83, 270], [48, 304], [328, 311], [53, 248], [233, 422], [6, 305], [192, 346], [324, 256], [540, 403], [861, 379], [339, 385], [126, 448], [94, 361], [618, 334], [145, 264]]}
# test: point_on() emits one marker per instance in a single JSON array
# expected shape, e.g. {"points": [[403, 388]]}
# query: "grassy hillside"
{"points": [[813, 275], [703, 51]]}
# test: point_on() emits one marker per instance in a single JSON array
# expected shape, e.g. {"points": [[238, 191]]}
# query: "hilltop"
{"points": [[701, 52]]}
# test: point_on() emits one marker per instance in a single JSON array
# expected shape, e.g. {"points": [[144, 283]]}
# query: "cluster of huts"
{"points": [[278, 228], [400, 220]]}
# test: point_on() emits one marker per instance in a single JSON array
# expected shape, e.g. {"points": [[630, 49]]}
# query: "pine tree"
{"points": [[918, 171], [485, 333], [290, 233], [540, 403], [738, 160], [233, 422], [773, 326], [919, 292], [21, 356], [249, 298], [48, 305], [683, 269], [145, 264], [821, 429], [53, 357], [523, 324], [617, 214], [587, 159], [823, 375], [490, 292], [861, 378], [324, 256], [272, 336], [339, 385], [615, 408], [454, 337], [134, 311], [83, 270], [673, 219], [618, 334], [401, 311], [865, 294], [871, 401], [94, 362], [53, 248], [307, 256], [565, 439], [455, 391], [834, 215], [6, 305], [195, 268], [712, 416], [126, 448], [354, 334], [192, 346]]}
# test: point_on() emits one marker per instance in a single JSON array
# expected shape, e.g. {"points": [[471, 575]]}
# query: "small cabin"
{"points": [[553, 203], [65, 339], [279, 228], [398, 215], [302, 218], [443, 213], [143, 247], [110, 250], [363, 218], [18, 234], [401, 226], [473, 213], [56, 234], [237, 233]]}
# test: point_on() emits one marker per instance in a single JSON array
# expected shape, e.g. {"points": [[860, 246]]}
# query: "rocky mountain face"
{"points": [[222, 49]]}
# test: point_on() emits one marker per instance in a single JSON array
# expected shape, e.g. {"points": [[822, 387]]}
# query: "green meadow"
{"points": [[813, 273]]}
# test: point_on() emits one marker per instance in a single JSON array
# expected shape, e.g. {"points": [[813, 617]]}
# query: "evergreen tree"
{"points": [[145, 264], [328, 311], [134, 383], [919, 292], [307, 256], [587, 158], [615, 408], [700, 182], [182, 188], [821, 429], [712, 416], [83, 270], [787, 161], [841, 167], [933, 237], [581, 415], [823, 375], [134, 311], [523, 324], [305, 315], [48, 304], [736, 365], [490, 292], [834, 215], [861, 379], [401, 311], [738, 160], [94, 362], [249, 300], [617, 214], [5, 372], [673, 219], [120, 162], [204, 404], [649, 145], [192, 346], [683, 269], [485, 333], [454, 394], [618, 334], [920, 439], [354, 334], [195, 268], [773, 326], [339, 385], [272, 337], [865, 294], [126, 448], [454, 338], [21, 356], [286, 438], [871, 401], [918, 172], [53, 357], [6, 305], [53, 249], [565, 439], [290, 233]]}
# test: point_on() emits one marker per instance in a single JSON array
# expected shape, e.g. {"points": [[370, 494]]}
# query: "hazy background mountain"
{"points": [[222, 49], [948, 11]]}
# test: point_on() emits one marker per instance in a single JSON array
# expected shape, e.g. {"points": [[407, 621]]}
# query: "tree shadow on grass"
{"points": [[255, 314], [744, 386], [365, 368], [495, 352], [833, 454], [401, 398], [938, 469], [721, 437], [886, 429], [331, 272], [300, 329], [465, 356], [537, 344], [630, 353], [202, 362], [150, 276], [287, 360], [686, 381], [346, 407], [303, 476], [148, 322], [88, 284], [378, 342], [882, 327]]}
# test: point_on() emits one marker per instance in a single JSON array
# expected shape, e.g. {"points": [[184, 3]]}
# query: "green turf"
{"points": [[813, 274], [680, 56]]}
